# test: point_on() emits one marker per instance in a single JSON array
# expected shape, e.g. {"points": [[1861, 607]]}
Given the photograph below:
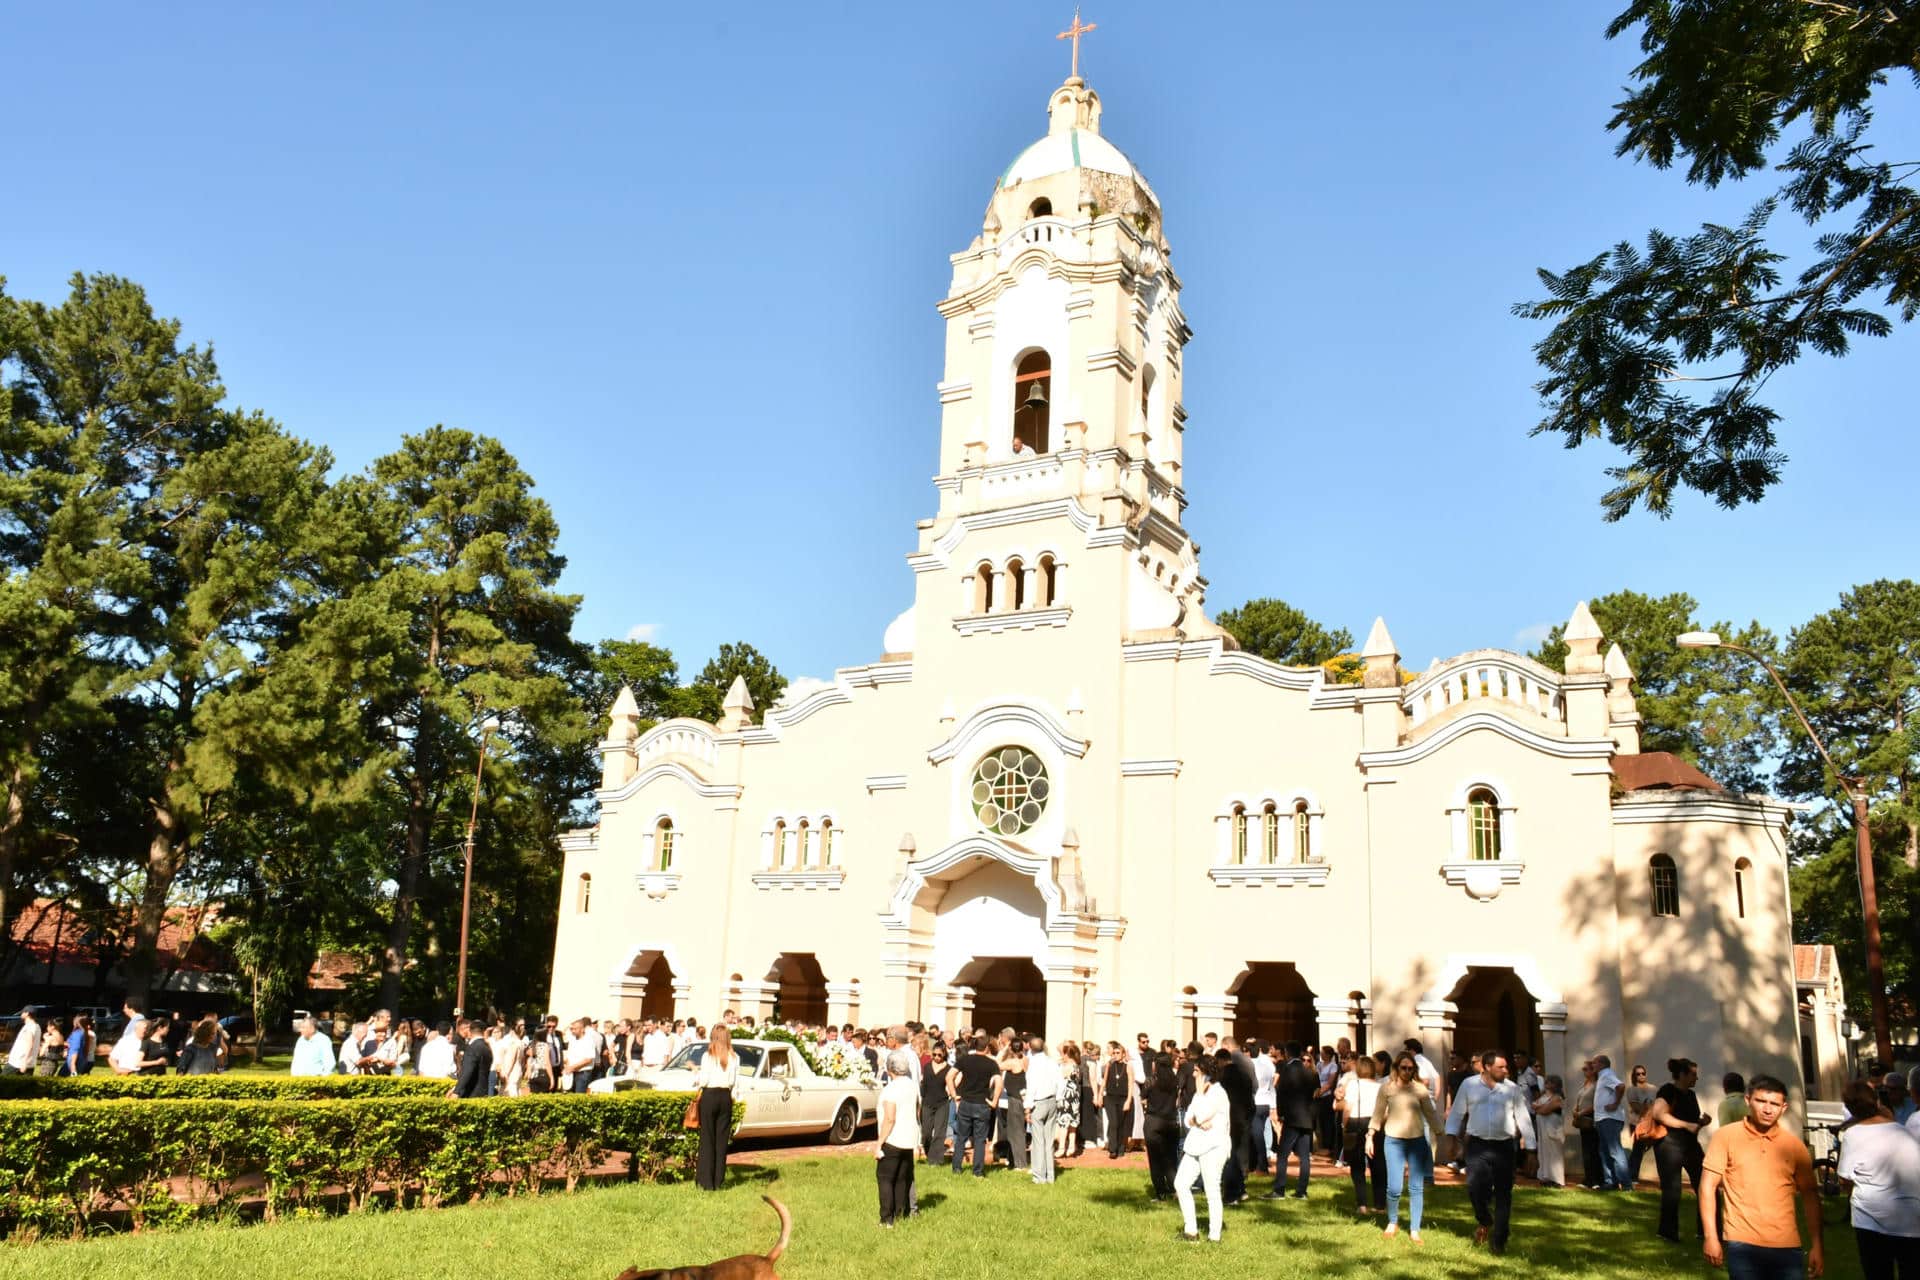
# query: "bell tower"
{"points": [[1063, 360]]}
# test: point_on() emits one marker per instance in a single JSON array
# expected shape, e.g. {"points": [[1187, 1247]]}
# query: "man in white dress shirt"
{"points": [[1491, 1115], [1259, 1136], [656, 1046], [1043, 1099], [25, 1053], [1610, 1121], [436, 1055]]}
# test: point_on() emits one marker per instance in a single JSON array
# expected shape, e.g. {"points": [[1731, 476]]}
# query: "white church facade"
{"points": [[1063, 800]]}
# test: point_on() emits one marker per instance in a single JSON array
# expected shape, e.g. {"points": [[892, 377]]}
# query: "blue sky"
{"points": [[686, 268]]}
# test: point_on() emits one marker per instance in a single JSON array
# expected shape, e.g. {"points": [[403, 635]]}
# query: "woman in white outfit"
{"points": [[1550, 1122], [1205, 1152]]}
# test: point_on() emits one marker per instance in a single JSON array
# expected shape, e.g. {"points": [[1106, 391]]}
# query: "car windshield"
{"points": [[689, 1058]]}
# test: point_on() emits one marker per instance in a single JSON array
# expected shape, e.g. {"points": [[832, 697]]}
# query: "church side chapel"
{"points": [[1063, 800]]}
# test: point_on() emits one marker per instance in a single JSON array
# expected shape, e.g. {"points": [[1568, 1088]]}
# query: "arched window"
{"points": [[1016, 585], [1483, 825], [805, 834], [663, 840], [1239, 835], [779, 842], [829, 843], [1146, 400], [1270, 833], [1049, 588], [585, 902], [1664, 880], [1302, 843], [1742, 870], [983, 589], [1041, 208], [1032, 401]]}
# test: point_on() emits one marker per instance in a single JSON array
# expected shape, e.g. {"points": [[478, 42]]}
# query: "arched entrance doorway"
{"points": [[1494, 1010], [801, 995], [1008, 991], [657, 1001], [1275, 1004]]}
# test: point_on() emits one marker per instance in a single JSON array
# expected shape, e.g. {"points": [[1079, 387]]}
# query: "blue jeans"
{"points": [[973, 1121], [1404, 1154], [1753, 1262], [1613, 1156], [1257, 1138]]}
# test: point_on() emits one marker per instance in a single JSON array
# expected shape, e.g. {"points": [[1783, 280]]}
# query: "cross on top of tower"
{"points": [[1074, 33]]}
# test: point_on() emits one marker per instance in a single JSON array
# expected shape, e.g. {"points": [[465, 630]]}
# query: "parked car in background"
{"points": [[238, 1026], [783, 1094]]}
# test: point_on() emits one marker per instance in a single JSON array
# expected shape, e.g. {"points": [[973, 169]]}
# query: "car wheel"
{"points": [[845, 1121]]}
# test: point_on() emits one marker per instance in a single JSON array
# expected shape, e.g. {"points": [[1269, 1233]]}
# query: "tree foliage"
{"points": [[765, 684], [1703, 705], [227, 680], [1665, 351], [1275, 630]]}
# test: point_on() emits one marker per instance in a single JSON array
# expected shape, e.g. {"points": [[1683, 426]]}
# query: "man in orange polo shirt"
{"points": [[1761, 1169]]}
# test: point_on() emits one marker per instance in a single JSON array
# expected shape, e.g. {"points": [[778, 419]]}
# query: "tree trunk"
{"points": [[413, 864], [12, 821], [166, 854]]}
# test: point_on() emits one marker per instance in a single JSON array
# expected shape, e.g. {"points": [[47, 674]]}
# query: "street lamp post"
{"points": [[1862, 843], [488, 727]]}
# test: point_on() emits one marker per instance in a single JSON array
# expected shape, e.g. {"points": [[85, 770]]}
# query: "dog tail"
{"points": [[786, 1229]]}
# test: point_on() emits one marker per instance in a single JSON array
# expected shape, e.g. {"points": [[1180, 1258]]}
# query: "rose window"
{"points": [[1010, 790]]}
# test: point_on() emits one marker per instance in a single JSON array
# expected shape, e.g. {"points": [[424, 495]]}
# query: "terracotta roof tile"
{"points": [[1660, 770]]}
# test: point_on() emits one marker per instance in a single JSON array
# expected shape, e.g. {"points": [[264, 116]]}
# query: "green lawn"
{"points": [[1093, 1222]]}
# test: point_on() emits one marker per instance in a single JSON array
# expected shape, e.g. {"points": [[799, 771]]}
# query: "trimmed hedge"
{"points": [[70, 1166], [262, 1088]]}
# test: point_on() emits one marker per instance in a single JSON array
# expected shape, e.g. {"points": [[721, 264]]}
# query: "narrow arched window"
{"points": [[1664, 880], [1302, 842], [1270, 833], [1146, 401], [779, 842], [586, 894], [1016, 585], [1049, 581], [805, 835], [1742, 870], [829, 843], [1483, 824], [1239, 835], [983, 589], [663, 841], [1032, 402], [1041, 208]]}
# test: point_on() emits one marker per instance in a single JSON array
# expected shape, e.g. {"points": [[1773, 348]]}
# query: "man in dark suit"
{"points": [[1293, 1092], [476, 1063], [1236, 1077]]}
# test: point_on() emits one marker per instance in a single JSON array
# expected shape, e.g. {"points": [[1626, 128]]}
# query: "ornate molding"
{"points": [[886, 782], [657, 884], [1150, 768], [1282, 875], [1562, 748], [1013, 715], [1019, 620], [1482, 880], [820, 878]]}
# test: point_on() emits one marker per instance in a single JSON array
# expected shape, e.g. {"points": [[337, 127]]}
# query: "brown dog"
{"points": [[748, 1266]]}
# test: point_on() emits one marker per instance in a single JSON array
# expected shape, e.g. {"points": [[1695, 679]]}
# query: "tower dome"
{"points": [[1072, 168]]}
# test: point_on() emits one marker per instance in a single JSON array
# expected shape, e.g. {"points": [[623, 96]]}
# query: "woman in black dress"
{"points": [[1118, 1093], [1089, 1098], [1013, 1101], [933, 1105], [1162, 1125], [1676, 1108]]}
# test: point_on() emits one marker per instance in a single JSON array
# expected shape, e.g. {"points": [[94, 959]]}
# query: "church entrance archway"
{"points": [[1274, 1004], [657, 1002], [801, 988], [1494, 1010], [1008, 991]]}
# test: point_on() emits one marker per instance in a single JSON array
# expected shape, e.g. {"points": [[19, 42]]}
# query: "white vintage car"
{"points": [[782, 1093]]}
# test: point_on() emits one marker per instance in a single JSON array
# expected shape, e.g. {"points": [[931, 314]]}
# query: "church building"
{"points": [[1063, 800]]}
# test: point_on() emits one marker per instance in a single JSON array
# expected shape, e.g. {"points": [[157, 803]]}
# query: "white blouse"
{"points": [[1214, 1108], [715, 1075]]}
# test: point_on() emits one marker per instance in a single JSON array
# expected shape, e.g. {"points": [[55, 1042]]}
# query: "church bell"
{"points": [[1036, 396]]}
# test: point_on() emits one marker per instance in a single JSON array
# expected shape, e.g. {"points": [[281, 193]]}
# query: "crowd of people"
{"points": [[1217, 1113]]}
